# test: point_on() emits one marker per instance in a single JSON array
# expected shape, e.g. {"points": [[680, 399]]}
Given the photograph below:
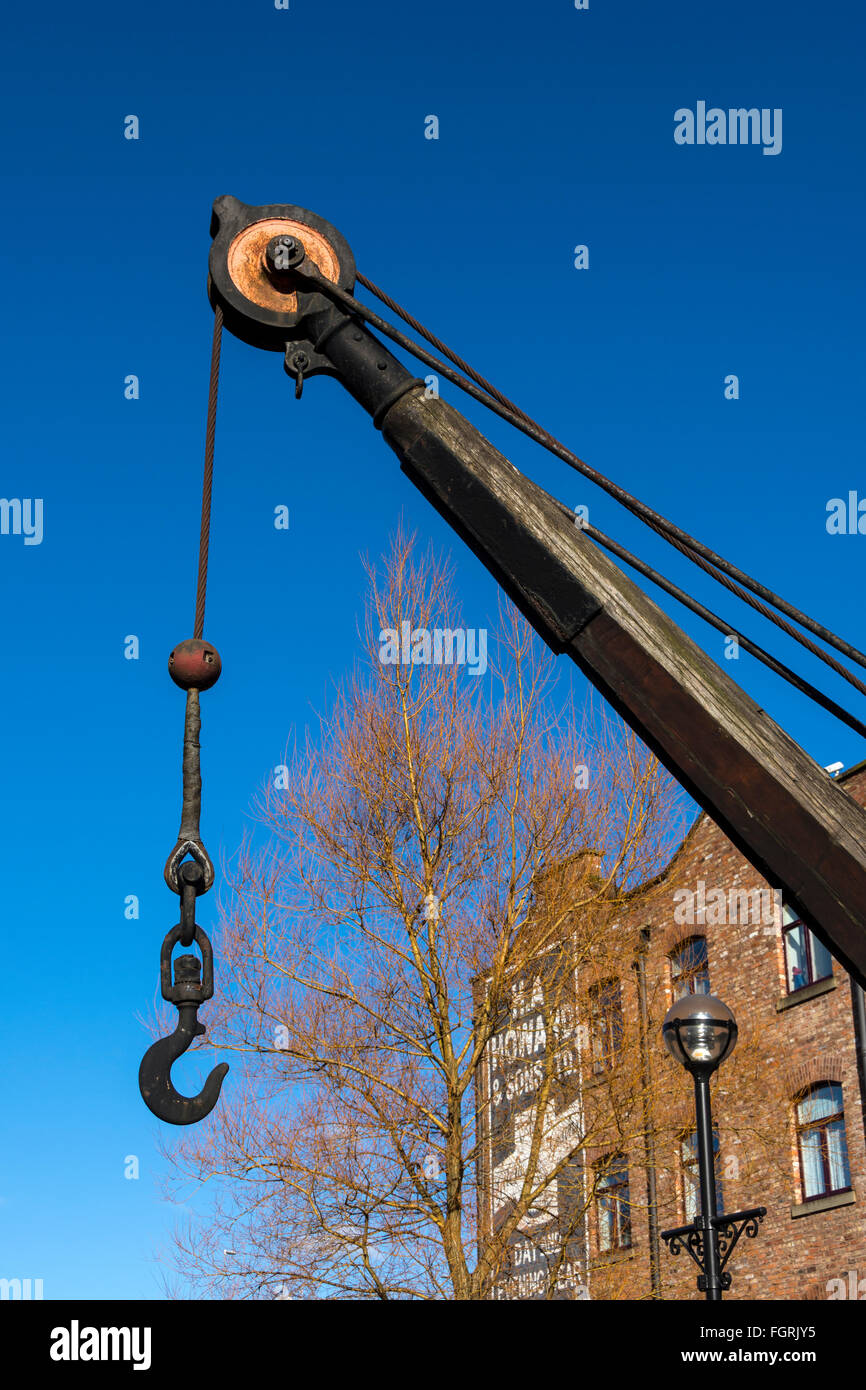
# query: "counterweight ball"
{"points": [[195, 664]]}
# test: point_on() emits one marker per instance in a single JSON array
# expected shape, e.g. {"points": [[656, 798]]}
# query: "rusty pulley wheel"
{"points": [[260, 296]]}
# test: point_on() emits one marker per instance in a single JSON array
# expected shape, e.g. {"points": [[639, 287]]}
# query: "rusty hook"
{"points": [[187, 993]]}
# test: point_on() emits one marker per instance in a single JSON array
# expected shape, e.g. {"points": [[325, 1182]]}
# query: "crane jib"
{"points": [[798, 827]]}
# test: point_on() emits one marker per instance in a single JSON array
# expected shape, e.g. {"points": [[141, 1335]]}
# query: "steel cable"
{"points": [[715, 565], [708, 616], [207, 485]]}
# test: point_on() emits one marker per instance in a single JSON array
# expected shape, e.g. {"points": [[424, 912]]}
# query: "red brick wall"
{"points": [[793, 1257]]}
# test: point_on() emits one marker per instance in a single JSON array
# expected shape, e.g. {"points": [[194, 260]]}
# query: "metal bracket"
{"points": [[730, 1228], [726, 1231], [302, 361]]}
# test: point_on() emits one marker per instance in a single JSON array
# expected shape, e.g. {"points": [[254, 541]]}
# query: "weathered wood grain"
{"points": [[800, 830]]}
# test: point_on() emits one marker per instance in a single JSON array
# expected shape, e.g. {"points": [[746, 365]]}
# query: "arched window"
{"points": [[821, 1141], [690, 970]]}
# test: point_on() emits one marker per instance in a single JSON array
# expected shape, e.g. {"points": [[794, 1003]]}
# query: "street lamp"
{"points": [[700, 1031]]}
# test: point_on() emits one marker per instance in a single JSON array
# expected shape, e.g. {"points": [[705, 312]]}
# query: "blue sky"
{"points": [[556, 129]]}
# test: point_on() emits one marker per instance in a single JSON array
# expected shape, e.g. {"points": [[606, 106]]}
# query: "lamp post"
{"points": [[699, 1031]]}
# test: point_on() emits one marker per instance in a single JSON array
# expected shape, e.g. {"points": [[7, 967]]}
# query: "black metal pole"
{"points": [[707, 1175], [858, 1007]]}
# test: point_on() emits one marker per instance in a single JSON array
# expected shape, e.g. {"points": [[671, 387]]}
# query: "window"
{"points": [[612, 1209], [691, 1176], [821, 1141], [806, 960], [605, 1023], [690, 971]]}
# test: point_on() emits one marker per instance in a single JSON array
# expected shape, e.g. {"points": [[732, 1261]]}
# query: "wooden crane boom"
{"points": [[799, 829]]}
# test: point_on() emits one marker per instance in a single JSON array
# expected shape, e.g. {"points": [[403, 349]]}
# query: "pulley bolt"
{"points": [[283, 253], [194, 664]]}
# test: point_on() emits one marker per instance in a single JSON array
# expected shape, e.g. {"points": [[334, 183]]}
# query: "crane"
{"points": [[281, 279]]}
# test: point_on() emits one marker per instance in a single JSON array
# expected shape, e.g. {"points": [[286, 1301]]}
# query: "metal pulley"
{"points": [[283, 278], [259, 275]]}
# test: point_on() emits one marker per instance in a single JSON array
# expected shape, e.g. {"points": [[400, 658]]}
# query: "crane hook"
{"points": [[187, 992]]}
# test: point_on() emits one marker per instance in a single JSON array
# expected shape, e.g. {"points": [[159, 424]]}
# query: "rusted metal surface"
{"points": [[240, 285], [248, 268], [195, 664]]}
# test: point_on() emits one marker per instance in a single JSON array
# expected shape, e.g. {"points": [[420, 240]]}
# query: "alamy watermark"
{"points": [[21, 1289], [716, 907], [854, 1287], [736, 126], [22, 516], [77, 1343], [443, 646], [846, 516]]}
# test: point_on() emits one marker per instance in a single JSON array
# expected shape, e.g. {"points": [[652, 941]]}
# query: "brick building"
{"points": [[789, 1106]]}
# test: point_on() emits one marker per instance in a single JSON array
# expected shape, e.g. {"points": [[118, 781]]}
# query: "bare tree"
{"points": [[403, 962]]}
